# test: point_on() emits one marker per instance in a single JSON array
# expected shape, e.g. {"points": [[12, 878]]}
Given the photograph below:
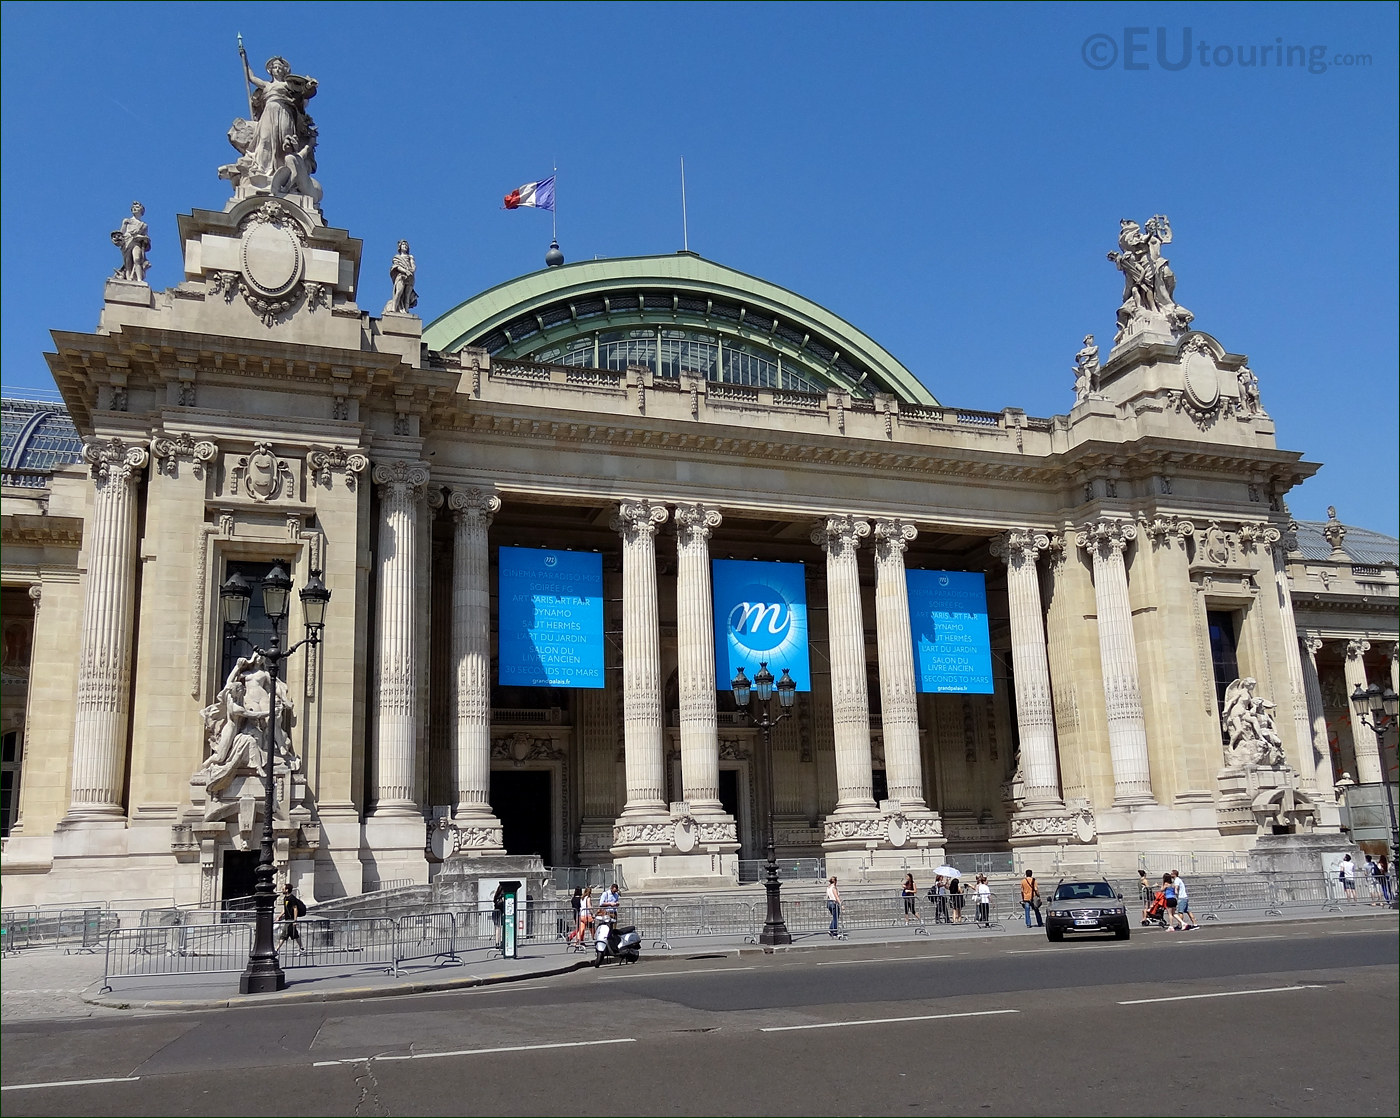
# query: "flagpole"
{"points": [[685, 222], [554, 211]]}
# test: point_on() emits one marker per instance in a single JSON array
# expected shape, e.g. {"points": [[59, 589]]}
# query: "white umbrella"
{"points": [[947, 871]]}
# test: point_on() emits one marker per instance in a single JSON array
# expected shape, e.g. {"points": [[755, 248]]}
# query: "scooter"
{"points": [[620, 942]]}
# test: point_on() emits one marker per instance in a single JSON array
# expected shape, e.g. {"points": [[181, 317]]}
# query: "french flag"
{"points": [[540, 195]]}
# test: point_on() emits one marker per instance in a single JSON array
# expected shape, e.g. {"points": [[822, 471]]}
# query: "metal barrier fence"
{"points": [[789, 869], [80, 929], [174, 950]]}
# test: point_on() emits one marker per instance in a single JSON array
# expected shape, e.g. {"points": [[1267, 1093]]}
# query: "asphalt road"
{"points": [[1295, 1019]]}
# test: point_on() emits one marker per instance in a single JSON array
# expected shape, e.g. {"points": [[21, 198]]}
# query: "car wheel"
{"points": [[1120, 933], [1054, 937]]}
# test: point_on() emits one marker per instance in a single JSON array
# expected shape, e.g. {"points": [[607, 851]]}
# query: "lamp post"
{"points": [[263, 974], [774, 929], [1382, 704]]}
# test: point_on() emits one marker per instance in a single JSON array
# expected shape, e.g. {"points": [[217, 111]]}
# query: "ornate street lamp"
{"points": [[263, 974], [1382, 704], [774, 929]]}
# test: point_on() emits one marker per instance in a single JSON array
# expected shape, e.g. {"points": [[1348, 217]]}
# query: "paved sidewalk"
{"points": [[46, 983]]}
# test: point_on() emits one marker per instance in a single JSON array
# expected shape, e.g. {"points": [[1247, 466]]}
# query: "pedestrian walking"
{"points": [[833, 905], [984, 901], [1174, 920], [1346, 874], [1145, 894], [911, 897], [584, 915], [1383, 868], [292, 910], [1183, 901], [1030, 899], [955, 899]]}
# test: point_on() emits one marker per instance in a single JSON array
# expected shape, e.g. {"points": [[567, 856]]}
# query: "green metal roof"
{"points": [[546, 309]]}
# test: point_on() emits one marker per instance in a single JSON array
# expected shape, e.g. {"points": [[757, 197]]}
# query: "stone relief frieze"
{"points": [[520, 747]]}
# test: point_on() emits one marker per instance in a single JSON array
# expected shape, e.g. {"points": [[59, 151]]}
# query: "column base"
{"points": [[884, 844], [1046, 823], [392, 849], [678, 849], [466, 836], [89, 835]]}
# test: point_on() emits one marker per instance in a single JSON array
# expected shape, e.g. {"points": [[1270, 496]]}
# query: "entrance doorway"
{"points": [[240, 868], [523, 802]]}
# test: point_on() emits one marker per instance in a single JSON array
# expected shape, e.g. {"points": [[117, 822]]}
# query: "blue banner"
{"points": [[550, 614], [760, 617], [948, 616]]}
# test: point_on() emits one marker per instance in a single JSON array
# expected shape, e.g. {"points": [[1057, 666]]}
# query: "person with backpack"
{"points": [[292, 910]]}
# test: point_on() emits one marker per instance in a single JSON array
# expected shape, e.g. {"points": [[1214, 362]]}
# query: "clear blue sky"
{"points": [[948, 178]]}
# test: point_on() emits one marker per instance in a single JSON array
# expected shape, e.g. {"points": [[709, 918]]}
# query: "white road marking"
{"points": [[70, 1083], [1222, 994], [476, 1051], [672, 973], [1232, 939], [885, 1021], [902, 959]]}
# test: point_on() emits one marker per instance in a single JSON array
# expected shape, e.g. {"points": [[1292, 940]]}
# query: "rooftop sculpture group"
{"points": [[277, 145], [1149, 284]]}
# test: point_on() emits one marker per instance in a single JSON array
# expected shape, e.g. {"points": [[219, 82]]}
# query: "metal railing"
{"points": [[789, 869]]}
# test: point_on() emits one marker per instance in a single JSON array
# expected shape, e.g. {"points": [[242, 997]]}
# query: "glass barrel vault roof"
{"points": [[675, 313], [38, 436]]}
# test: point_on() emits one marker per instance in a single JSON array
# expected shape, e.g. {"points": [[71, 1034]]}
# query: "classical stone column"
{"points": [[401, 490], [472, 511], [1317, 718], [839, 536], [1035, 712], [695, 642], [1302, 725], [104, 664], [636, 521], [1106, 540], [1368, 758], [898, 698]]}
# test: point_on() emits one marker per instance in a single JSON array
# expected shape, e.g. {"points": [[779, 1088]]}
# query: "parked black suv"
{"points": [[1086, 906]]}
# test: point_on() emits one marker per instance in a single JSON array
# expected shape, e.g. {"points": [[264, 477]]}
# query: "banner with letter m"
{"points": [[760, 617]]}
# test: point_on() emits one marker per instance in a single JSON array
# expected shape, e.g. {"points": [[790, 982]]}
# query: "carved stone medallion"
{"points": [[272, 257], [1202, 379]]}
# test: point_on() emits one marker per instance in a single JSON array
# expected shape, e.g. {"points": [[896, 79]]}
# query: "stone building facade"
{"points": [[661, 412]]}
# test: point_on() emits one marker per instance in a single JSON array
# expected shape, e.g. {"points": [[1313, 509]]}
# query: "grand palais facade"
{"points": [[644, 421]]}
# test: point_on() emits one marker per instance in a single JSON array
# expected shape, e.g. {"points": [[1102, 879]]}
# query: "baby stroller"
{"points": [[1156, 912]]}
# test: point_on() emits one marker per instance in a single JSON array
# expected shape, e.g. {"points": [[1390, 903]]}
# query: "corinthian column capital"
{"points": [[476, 506], [1106, 536], [694, 523], [114, 459], [638, 517], [839, 534], [1019, 546], [892, 536], [398, 478]]}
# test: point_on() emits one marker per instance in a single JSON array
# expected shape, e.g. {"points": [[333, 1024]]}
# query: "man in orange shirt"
{"points": [[1030, 899]]}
